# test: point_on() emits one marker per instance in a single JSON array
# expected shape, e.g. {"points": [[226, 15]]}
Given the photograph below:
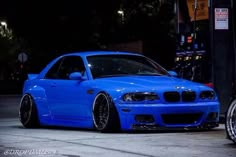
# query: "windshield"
{"points": [[122, 65]]}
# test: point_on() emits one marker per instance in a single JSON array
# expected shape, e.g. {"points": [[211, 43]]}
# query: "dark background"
{"points": [[44, 30]]}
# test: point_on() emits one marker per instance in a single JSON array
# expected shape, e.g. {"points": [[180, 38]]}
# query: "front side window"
{"points": [[62, 69], [121, 65], [53, 71]]}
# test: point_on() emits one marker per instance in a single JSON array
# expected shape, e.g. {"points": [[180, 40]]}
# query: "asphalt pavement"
{"points": [[73, 142]]}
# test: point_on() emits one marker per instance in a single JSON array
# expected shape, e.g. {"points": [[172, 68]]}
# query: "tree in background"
{"points": [[10, 47]]}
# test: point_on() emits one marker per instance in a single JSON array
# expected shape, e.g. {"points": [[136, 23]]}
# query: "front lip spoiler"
{"points": [[155, 127]]}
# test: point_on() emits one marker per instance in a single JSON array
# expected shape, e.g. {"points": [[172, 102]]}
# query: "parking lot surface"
{"points": [[73, 142]]}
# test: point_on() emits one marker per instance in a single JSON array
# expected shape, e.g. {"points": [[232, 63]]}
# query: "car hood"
{"points": [[147, 83]]}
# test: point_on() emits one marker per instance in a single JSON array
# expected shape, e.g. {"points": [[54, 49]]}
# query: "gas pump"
{"points": [[198, 66], [186, 66], [179, 62], [190, 58]]}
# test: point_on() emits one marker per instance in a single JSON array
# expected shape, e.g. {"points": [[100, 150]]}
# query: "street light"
{"points": [[122, 14], [3, 23]]}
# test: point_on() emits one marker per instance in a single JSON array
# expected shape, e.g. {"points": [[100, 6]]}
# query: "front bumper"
{"points": [[156, 116]]}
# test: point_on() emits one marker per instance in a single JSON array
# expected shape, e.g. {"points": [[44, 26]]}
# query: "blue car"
{"points": [[110, 91]]}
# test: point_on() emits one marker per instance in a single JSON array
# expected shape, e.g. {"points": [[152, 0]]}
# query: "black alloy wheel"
{"points": [[28, 112], [230, 123], [105, 116]]}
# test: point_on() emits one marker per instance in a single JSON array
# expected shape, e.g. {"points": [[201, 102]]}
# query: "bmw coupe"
{"points": [[108, 91]]}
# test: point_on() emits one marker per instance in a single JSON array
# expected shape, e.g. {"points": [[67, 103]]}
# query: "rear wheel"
{"points": [[28, 112], [231, 121], [105, 116]]}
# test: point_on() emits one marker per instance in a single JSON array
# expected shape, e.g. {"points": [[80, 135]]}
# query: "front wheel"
{"points": [[230, 123], [105, 116], [28, 112]]}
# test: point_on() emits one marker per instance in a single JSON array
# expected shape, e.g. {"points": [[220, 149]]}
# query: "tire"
{"points": [[230, 123], [28, 112], [105, 116]]}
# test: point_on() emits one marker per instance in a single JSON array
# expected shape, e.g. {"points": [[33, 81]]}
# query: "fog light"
{"points": [[144, 118], [212, 116]]}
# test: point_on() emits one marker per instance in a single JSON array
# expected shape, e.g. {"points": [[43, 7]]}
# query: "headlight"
{"points": [[140, 96], [207, 95]]}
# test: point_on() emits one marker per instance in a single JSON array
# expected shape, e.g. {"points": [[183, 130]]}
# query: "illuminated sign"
{"points": [[222, 18], [201, 11]]}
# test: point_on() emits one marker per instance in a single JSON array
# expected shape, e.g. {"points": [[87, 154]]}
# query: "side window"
{"points": [[71, 64], [53, 71]]}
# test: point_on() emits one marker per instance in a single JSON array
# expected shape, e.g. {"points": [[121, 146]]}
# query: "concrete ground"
{"points": [[70, 142]]}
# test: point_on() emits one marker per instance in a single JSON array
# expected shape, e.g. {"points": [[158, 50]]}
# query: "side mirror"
{"points": [[75, 76], [173, 73]]}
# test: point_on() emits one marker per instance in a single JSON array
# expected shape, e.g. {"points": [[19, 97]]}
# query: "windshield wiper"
{"points": [[120, 75], [115, 75]]}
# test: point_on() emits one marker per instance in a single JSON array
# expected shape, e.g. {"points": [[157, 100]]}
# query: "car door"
{"points": [[65, 96]]}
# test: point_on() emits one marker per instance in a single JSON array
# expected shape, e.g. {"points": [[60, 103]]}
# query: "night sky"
{"points": [[57, 24], [63, 23]]}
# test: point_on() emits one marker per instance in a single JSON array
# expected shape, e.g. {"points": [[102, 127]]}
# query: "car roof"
{"points": [[94, 53]]}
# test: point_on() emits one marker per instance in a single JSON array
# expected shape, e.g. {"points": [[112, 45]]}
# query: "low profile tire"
{"points": [[105, 116], [230, 124], [28, 112]]}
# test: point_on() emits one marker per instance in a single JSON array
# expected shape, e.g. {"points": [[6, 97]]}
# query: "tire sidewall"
{"points": [[227, 125], [94, 103], [32, 120], [112, 118]]}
